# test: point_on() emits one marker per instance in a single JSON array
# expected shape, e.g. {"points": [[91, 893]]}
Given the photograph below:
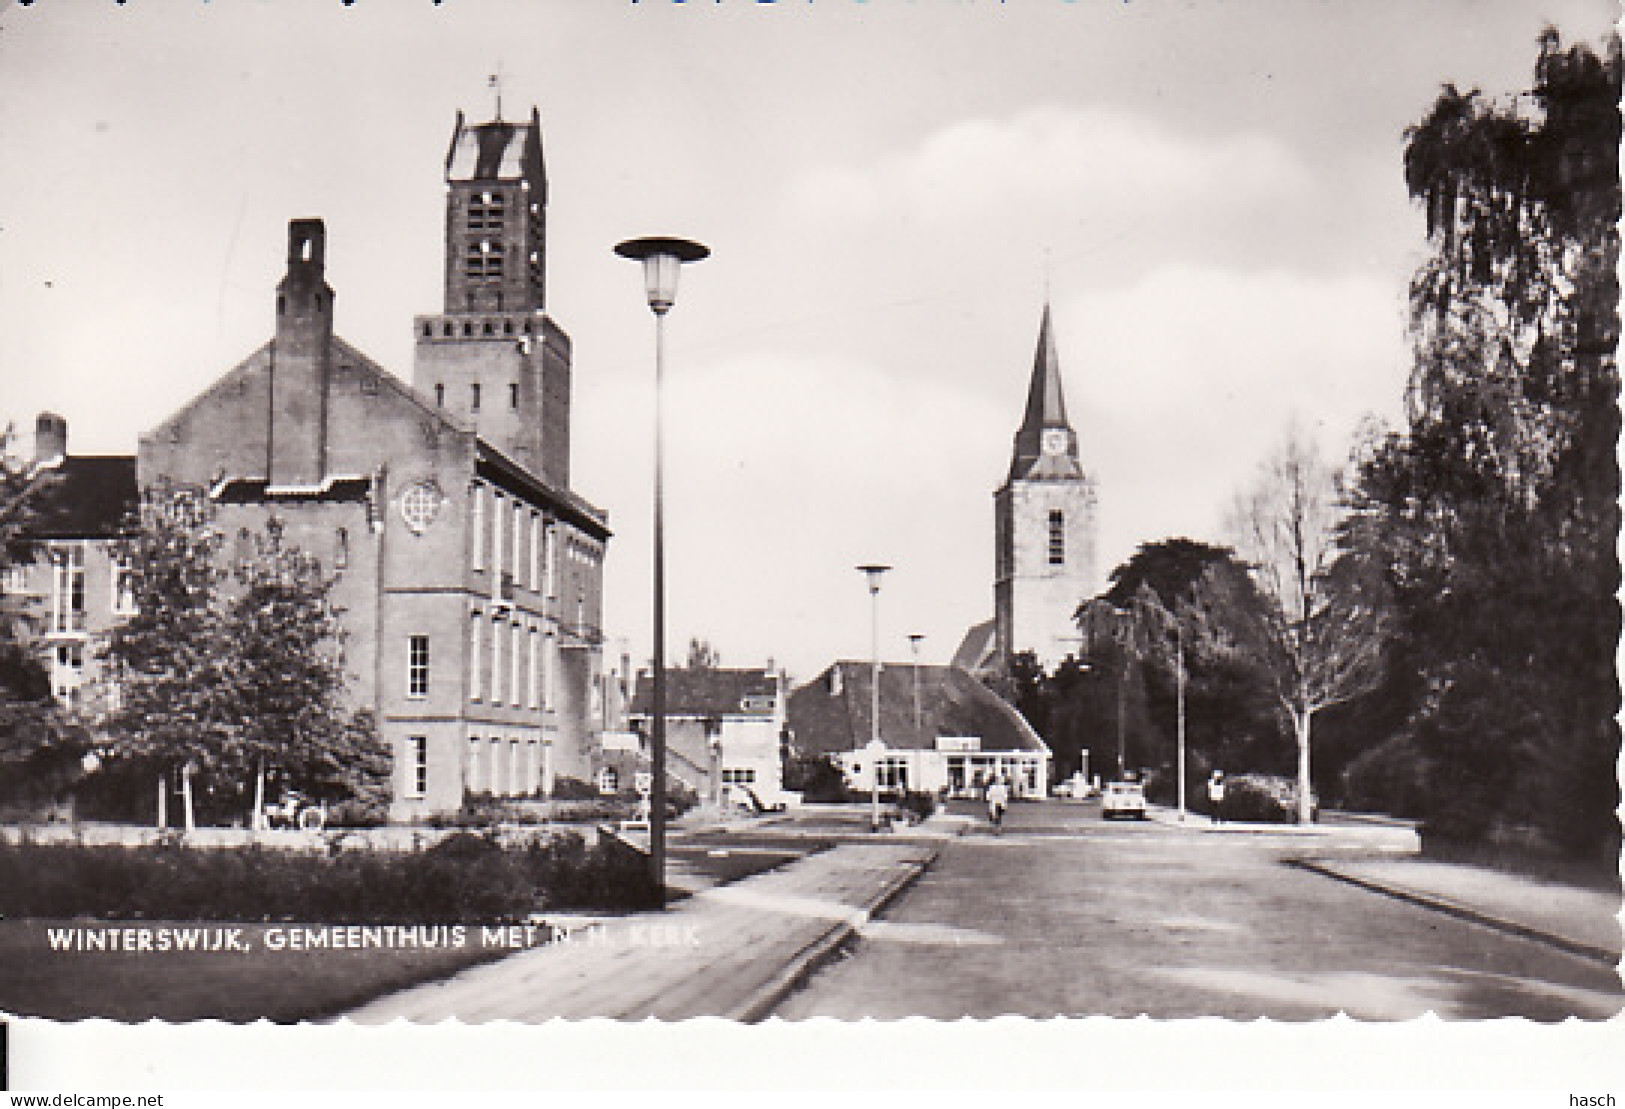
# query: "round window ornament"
{"points": [[420, 503]]}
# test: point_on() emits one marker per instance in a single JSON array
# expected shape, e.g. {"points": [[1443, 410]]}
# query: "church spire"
{"points": [[1046, 445]]}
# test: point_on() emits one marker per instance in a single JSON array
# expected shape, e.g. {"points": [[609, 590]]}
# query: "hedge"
{"points": [[465, 878]]}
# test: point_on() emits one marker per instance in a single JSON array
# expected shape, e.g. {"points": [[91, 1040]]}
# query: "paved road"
{"points": [[1066, 914]]}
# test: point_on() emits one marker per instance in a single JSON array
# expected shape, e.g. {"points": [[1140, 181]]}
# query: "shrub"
{"points": [[467, 877], [1390, 777], [352, 813], [817, 778], [1257, 799], [917, 804], [573, 789]]}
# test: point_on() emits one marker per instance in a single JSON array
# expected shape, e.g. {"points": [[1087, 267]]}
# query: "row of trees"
{"points": [[223, 677], [1446, 604]]}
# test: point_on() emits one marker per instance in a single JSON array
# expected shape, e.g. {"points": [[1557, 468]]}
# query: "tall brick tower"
{"points": [[1044, 524], [493, 357]]}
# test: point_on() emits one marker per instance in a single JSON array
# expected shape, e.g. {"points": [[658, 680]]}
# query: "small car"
{"points": [[1123, 799]]}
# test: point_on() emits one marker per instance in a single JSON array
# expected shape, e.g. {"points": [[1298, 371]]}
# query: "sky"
{"points": [[1209, 194]]}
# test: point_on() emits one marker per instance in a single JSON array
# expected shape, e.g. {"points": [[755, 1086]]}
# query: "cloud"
{"points": [[1089, 159], [1183, 381]]}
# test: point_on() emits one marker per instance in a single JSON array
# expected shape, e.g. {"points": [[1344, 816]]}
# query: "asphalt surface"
{"points": [[1066, 914]]}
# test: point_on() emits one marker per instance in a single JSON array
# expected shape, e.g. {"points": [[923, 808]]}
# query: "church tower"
{"points": [[493, 357], [1044, 525]]}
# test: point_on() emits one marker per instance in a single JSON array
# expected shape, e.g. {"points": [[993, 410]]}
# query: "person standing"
{"points": [[1215, 795]]}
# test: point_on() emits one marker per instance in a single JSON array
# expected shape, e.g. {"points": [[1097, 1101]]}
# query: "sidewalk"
{"points": [[1575, 919], [733, 951]]}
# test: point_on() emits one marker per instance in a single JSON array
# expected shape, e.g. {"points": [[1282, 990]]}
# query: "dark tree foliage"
{"points": [[1119, 683], [1494, 513], [235, 675]]}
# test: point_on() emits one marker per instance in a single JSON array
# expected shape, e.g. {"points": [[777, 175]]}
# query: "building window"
{"points": [[550, 560], [417, 666], [417, 759], [608, 780], [739, 775], [478, 525], [474, 782], [341, 549], [893, 772], [534, 574], [1057, 538], [474, 396], [497, 510], [475, 658], [439, 395], [123, 589], [495, 759], [533, 677], [516, 780], [68, 672], [517, 566], [486, 212], [68, 588], [496, 660], [516, 659], [513, 394], [550, 666]]}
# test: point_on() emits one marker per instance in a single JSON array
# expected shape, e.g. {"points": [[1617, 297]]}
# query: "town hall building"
{"points": [[469, 573]]}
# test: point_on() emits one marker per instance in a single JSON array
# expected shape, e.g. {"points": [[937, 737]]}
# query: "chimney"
{"points": [[301, 362], [50, 439]]}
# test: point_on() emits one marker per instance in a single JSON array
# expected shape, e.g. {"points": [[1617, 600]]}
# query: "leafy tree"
{"points": [[223, 676], [172, 660], [287, 681], [1494, 514], [1146, 623], [702, 655]]}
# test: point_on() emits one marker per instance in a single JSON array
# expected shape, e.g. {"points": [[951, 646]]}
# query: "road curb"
{"points": [[761, 1003], [1464, 912]]}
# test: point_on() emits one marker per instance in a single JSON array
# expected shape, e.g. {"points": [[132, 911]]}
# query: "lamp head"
{"points": [[661, 258], [873, 572]]}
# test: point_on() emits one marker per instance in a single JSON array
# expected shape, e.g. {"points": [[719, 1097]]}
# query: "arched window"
{"points": [[1057, 538]]}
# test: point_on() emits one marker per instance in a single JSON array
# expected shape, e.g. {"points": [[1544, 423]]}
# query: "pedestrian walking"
{"points": [[1215, 795], [998, 799]]}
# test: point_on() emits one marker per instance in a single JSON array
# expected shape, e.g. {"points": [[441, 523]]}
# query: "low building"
{"points": [[724, 729], [943, 730]]}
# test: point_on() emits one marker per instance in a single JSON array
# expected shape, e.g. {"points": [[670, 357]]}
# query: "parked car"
{"points": [[1075, 788], [1123, 799]]}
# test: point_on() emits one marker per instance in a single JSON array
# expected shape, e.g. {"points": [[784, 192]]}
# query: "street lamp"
{"points": [[661, 258], [873, 572], [914, 645]]}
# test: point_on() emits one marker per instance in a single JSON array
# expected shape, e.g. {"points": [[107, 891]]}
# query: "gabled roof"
{"points": [[832, 713], [709, 692], [1046, 409], [976, 650], [86, 497]]}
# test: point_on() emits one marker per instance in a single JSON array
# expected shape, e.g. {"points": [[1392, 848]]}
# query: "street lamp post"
{"points": [[661, 258], [914, 644], [873, 572], [1179, 679]]}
